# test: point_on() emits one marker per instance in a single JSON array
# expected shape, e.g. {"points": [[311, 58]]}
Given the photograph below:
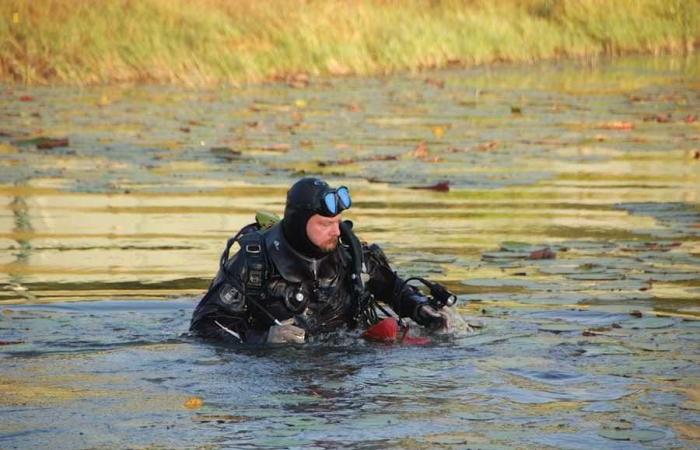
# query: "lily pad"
{"points": [[649, 323], [560, 327], [43, 142], [477, 416], [637, 435], [595, 276], [597, 407], [505, 255], [666, 277], [514, 246], [600, 350]]}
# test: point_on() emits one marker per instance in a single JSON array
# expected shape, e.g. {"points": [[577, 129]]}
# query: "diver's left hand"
{"points": [[435, 320]]}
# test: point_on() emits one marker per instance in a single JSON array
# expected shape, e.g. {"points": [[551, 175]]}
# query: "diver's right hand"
{"points": [[287, 333]]}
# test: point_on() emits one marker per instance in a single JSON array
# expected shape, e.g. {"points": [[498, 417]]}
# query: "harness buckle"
{"points": [[252, 248]]}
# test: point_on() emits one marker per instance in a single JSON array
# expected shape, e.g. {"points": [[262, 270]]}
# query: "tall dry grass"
{"points": [[209, 41]]}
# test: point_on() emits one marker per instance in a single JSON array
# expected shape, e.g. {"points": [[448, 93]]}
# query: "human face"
{"points": [[323, 231]]}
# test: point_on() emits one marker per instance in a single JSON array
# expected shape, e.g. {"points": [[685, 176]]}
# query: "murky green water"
{"points": [[108, 243]]}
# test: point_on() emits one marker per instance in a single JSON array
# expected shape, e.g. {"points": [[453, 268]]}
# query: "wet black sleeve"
{"points": [[222, 312], [387, 287]]}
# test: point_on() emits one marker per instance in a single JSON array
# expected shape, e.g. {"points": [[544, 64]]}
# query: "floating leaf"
{"points": [[439, 131], [443, 186], [226, 153], [618, 125], [637, 435], [595, 276], [505, 255], [545, 253], [601, 407], [650, 323], [478, 416], [277, 148], [606, 349], [487, 146], [43, 143], [440, 84], [194, 403], [421, 151], [559, 327]]}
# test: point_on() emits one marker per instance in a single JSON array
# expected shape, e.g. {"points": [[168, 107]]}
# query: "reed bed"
{"points": [[200, 42]]}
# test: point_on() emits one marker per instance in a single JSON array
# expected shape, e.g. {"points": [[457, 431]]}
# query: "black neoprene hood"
{"points": [[301, 198]]}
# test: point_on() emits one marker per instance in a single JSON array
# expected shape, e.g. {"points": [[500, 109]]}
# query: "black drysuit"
{"points": [[245, 296]]}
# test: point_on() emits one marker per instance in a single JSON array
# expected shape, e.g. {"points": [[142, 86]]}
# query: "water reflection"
{"points": [[133, 214]]}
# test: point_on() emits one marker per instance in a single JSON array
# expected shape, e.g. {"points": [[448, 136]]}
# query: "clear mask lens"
{"points": [[344, 197]]}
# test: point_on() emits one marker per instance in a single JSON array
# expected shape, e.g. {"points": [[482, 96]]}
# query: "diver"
{"points": [[308, 275]]}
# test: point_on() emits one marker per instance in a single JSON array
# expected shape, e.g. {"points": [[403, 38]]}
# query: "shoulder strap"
{"points": [[248, 229], [255, 263]]}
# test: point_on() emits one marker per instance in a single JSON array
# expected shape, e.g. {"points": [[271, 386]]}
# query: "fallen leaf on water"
{"points": [[517, 110], [487, 146], [545, 253], [279, 148], [354, 107], [617, 125], [443, 186], [43, 143], [691, 118], [439, 131], [221, 418], [435, 82], [660, 118], [194, 403], [421, 151], [346, 161], [226, 152], [663, 118], [26, 98], [185, 129]]}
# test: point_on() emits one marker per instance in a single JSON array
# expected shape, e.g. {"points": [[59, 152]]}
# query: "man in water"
{"points": [[305, 276]]}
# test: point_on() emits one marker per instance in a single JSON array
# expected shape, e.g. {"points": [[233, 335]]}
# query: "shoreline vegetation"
{"points": [[205, 42]]}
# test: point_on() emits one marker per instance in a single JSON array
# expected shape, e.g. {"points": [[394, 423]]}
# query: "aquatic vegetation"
{"points": [[573, 249]]}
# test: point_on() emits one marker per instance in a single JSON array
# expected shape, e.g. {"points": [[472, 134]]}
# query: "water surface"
{"points": [[108, 243]]}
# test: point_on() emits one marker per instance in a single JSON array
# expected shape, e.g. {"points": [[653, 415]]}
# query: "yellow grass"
{"points": [[209, 41]]}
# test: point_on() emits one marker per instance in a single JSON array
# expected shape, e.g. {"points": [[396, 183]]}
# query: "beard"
{"points": [[329, 245]]}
